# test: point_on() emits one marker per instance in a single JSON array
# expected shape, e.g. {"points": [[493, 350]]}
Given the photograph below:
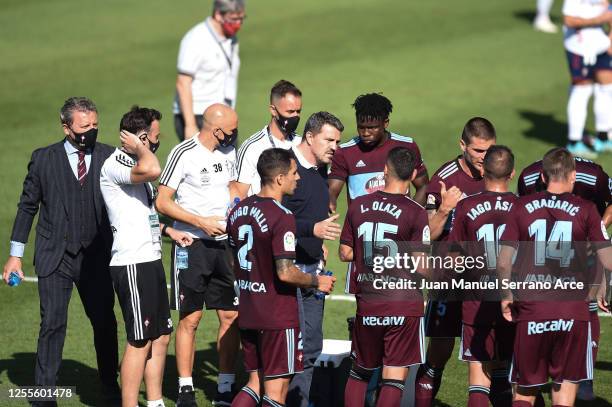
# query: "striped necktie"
{"points": [[81, 168]]}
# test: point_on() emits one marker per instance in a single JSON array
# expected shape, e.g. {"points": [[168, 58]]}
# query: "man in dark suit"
{"points": [[73, 242]]}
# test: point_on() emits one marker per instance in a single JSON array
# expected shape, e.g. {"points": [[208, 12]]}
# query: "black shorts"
{"points": [[179, 125], [208, 279], [143, 296]]}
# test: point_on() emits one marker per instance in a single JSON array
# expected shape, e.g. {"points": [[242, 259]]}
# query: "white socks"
{"points": [[577, 110], [156, 403], [225, 382], [543, 8], [603, 107], [185, 381]]}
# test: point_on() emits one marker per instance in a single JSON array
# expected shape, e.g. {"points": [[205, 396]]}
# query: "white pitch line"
{"points": [[332, 297]]}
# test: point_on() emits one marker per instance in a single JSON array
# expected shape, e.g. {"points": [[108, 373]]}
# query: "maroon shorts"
{"points": [[275, 353], [390, 341], [560, 349], [486, 343], [443, 319]]}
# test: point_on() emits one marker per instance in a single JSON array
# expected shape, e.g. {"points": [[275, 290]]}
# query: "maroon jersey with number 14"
{"points": [[262, 231], [551, 232], [479, 221], [376, 225]]}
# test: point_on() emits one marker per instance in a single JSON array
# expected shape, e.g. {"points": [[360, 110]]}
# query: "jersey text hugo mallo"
{"points": [[262, 231]]}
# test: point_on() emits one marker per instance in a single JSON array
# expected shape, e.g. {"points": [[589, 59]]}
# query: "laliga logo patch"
{"points": [[604, 231], [376, 183], [147, 322], [426, 235], [431, 199], [289, 242]]}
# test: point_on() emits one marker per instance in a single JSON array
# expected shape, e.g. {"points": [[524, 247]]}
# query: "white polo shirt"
{"points": [[201, 179], [249, 153], [213, 63], [132, 215], [587, 41]]}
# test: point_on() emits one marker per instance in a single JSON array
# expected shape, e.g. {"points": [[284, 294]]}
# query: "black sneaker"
{"points": [[224, 399], [186, 397]]}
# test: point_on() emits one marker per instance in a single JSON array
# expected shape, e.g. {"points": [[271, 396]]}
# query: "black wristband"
{"points": [[314, 281], [164, 233]]}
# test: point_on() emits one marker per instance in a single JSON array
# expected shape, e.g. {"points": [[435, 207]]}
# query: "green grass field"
{"points": [[439, 62]]}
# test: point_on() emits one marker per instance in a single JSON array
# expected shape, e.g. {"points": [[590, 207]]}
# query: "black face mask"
{"points": [[87, 139], [153, 146], [228, 139], [287, 124]]}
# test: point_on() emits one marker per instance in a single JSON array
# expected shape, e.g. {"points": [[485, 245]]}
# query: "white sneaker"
{"points": [[544, 25]]}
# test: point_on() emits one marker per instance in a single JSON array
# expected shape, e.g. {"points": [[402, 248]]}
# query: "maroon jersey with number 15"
{"points": [[262, 231], [376, 225]]}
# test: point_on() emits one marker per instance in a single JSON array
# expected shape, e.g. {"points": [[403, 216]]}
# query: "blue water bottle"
{"points": [[14, 279], [182, 257], [319, 295]]}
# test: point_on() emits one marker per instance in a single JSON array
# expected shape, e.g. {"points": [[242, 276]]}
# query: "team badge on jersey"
{"points": [[431, 199], [204, 177], [289, 241], [376, 183], [426, 235]]}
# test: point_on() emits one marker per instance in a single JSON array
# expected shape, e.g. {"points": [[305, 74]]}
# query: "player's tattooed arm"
{"points": [[288, 273]]}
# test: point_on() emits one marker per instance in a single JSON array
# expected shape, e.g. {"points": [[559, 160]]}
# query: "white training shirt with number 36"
{"points": [[131, 213], [201, 179]]}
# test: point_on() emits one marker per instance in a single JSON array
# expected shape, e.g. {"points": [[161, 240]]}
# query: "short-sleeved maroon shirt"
{"points": [[550, 232], [362, 168], [376, 225], [452, 175], [478, 222], [261, 231], [592, 182]]}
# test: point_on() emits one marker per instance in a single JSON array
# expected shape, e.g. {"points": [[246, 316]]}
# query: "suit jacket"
{"points": [[45, 188]]}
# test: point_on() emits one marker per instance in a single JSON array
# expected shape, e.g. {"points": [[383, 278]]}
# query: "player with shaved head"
{"points": [[486, 337], [196, 187]]}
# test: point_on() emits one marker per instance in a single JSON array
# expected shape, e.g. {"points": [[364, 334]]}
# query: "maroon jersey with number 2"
{"points": [[261, 231]]}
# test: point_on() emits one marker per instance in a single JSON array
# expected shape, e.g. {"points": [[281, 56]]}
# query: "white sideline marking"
{"points": [[332, 297]]}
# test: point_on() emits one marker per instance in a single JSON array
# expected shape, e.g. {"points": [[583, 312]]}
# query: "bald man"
{"points": [[196, 189]]}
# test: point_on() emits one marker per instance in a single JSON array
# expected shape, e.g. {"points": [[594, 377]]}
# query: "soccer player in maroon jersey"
{"points": [[262, 233], [455, 180], [486, 337], [592, 184], [389, 326], [360, 161], [553, 335]]}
